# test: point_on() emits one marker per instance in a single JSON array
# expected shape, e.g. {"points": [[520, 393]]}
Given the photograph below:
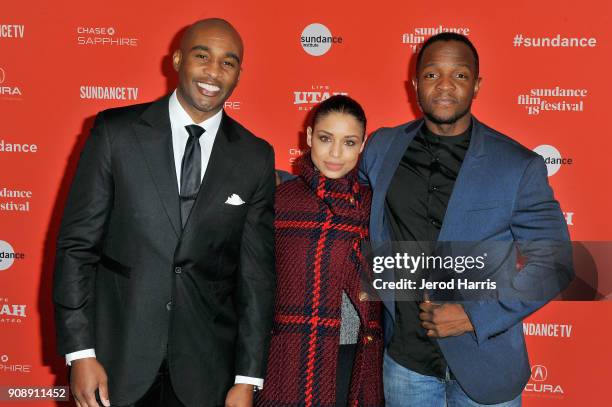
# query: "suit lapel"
{"points": [[469, 173], [154, 136], [223, 162], [391, 161]]}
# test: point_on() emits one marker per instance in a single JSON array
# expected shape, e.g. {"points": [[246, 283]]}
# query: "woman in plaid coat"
{"points": [[326, 347]]}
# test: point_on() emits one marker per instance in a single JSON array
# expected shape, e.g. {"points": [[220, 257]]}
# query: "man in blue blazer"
{"points": [[448, 177]]}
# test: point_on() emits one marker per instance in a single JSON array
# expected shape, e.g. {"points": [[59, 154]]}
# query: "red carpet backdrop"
{"points": [[545, 68]]}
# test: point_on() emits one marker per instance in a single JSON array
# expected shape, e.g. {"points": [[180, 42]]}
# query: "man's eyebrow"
{"points": [[233, 56], [200, 48], [207, 49], [437, 63]]}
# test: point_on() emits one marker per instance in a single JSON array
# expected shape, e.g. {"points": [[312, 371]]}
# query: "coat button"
{"points": [[363, 296], [178, 270], [369, 338], [169, 305], [352, 200]]}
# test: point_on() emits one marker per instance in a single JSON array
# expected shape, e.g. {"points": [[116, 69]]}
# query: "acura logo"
{"points": [[539, 373], [2, 75]]}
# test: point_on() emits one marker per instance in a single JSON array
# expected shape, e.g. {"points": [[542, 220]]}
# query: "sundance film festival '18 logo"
{"points": [[103, 36], [555, 99], [539, 383], [8, 255], [552, 158], [415, 38], [12, 313], [14, 200], [317, 39], [307, 99], [8, 90]]}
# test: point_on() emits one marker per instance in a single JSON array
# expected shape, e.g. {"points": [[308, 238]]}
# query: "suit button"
{"points": [[169, 305], [178, 270], [369, 338], [363, 296]]}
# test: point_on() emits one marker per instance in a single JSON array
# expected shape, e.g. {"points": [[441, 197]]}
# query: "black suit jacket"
{"points": [[131, 283]]}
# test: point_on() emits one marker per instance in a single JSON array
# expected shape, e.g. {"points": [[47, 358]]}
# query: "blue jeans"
{"points": [[406, 388]]}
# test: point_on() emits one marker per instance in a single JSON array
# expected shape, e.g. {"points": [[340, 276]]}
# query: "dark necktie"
{"points": [[191, 171]]}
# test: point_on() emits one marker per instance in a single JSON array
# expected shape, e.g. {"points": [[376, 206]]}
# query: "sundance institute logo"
{"points": [[8, 255], [316, 39], [552, 158]]}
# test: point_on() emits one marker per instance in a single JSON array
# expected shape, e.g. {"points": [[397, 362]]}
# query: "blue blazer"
{"points": [[501, 194]]}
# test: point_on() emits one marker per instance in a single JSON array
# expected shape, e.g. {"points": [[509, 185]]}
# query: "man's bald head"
{"points": [[208, 63], [220, 26]]}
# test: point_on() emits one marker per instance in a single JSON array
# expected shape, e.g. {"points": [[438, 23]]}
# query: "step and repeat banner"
{"points": [[546, 83]]}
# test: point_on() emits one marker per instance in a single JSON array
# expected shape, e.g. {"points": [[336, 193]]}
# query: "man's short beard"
{"points": [[450, 120]]}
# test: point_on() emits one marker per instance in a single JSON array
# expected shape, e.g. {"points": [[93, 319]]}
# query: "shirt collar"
{"points": [[179, 118]]}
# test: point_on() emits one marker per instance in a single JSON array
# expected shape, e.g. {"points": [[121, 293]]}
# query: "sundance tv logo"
{"points": [[552, 158], [555, 99], [11, 313], [415, 38], [549, 330], [12, 31], [317, 39], [93, 92], [104, 36], [539, 383], [307, 99], [7, 89]]}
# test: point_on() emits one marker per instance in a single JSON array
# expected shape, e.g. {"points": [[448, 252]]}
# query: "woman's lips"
{"points": [[333, 166]]}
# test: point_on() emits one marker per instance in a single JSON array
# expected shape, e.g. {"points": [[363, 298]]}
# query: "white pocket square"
{"points": [[234, 200]]}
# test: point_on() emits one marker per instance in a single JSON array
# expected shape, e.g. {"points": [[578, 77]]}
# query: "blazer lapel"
{"points": [[154, 136], [391, 161], [223, 162], [463, 190]]}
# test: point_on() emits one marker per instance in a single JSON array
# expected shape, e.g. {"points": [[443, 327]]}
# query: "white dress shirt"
{"points": [[179, 118]]}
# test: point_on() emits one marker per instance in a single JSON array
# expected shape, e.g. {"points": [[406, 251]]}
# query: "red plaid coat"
{"points": [[319, 226]]}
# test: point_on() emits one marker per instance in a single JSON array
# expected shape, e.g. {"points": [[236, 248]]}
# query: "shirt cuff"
{"points": [[81, 354], [249, 380]]}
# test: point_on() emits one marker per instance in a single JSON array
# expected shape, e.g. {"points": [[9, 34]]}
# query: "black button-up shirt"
{"points": [[415, 207]]}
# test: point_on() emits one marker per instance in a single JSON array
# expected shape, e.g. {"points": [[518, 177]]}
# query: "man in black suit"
{"points": [[164, 279]]}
